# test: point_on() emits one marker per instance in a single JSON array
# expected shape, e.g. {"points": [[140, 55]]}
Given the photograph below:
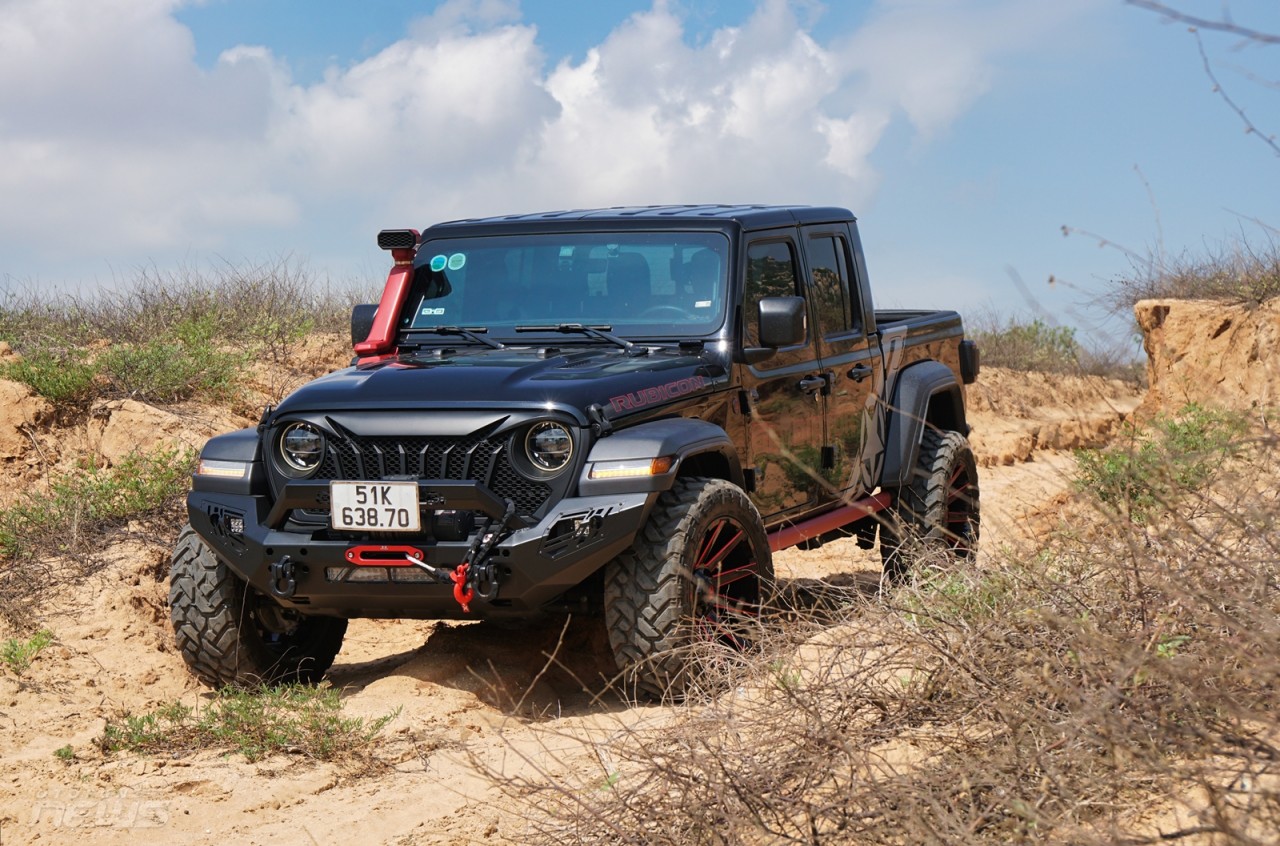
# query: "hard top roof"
{"points": [[746, 217]]}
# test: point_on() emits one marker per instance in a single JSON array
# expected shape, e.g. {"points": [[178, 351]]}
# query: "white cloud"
{"points": [[933, 58], [109, 127]]}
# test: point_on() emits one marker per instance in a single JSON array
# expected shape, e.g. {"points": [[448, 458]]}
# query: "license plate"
{"points": [[374, 506]]}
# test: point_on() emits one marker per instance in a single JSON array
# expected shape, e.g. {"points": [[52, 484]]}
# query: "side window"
{"points": [[771, 272], [830, 271]]}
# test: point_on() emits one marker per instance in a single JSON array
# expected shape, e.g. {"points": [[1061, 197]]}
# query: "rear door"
{"points": [[785, 393], [850, 353]]}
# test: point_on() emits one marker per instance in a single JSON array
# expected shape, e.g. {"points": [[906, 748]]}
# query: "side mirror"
{"points": [[781, 325], [362, 322], [781, 321]]}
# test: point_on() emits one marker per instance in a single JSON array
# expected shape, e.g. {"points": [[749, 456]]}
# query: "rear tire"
{"points": [[938, 510], [697, 571], [230, 634]]}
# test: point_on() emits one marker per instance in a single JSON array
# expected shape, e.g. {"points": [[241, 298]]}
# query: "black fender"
{"points": [[925, 394], [243, 446], [696, 447]]}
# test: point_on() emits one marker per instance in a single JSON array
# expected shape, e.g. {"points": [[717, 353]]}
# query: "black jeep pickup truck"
{"points": [[622, 410]]}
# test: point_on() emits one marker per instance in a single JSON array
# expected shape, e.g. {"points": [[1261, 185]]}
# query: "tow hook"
{"points": [[476, 576], [483, 580], [469, 581], [284, 578]]}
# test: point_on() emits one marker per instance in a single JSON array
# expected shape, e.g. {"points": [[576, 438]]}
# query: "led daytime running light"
{"points": [[222, 469], [631, 469]]}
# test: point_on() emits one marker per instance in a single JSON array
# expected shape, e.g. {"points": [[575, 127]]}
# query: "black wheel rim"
{"points": [[961, 510], [726, 578]]}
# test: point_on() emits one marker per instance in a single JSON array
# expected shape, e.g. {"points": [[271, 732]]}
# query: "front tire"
{"points": [[697, 571], [938, 510], [230, 634]]}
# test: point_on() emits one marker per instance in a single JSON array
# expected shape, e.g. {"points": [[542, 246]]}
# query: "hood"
{"points": [[574, 378]]}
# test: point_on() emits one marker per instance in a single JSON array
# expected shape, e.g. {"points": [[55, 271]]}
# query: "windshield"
{"points": [[653, 284]]}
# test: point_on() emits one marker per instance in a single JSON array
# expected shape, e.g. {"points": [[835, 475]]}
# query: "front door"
{"points": [[785, 393]]}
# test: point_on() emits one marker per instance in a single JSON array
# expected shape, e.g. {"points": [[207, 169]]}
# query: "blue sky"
{"points": [[963, 133]]}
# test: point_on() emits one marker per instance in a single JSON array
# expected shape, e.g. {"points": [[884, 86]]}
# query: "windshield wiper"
{"points": [[474, 333], [601, 332]]}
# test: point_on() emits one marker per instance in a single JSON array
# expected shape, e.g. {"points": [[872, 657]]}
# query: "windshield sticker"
{"points": [[433, 311], [659, 393], [456, 261], [702, 304], [438, 263]]}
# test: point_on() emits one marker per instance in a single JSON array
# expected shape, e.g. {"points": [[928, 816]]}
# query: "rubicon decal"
{"points": [[658, 393]]}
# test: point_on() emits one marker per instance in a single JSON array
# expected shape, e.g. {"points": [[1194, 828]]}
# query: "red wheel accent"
{"points": [[725, 576]]}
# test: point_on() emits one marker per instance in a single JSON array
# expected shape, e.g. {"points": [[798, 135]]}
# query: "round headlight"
{"points": [[549, 446], [301, 447]]}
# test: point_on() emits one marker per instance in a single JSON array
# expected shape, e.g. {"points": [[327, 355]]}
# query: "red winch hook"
{"points": [[461, 592]]}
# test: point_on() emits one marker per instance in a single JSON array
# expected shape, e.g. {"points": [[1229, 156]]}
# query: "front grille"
{"points": [[456, 459]]}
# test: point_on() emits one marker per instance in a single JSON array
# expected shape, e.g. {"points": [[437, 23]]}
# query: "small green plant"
{"points": [[77, 505], [1168, 647], [65, 754], [257, 722], [785, 677], [1174, 455], [17, 654]]}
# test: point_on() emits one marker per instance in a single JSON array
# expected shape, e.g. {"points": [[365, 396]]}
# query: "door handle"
{"points": [[859, 372], [809, 384]]}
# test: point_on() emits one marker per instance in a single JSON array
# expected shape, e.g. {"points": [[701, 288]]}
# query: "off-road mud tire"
{"points": [[938, 512], [654, 607], [219, 629]]}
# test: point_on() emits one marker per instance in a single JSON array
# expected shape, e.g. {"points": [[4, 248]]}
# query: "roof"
{"points": [[747, 217]]}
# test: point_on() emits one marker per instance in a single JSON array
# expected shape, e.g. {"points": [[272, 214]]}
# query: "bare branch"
{"points": [[1223, 25], [1249, 126]]}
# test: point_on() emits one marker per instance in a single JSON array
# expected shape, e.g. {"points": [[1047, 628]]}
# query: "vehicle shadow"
{"points": [[828, 594], [552, 667], [563, 666]]}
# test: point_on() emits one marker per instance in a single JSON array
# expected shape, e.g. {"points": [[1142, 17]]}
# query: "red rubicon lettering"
{"points": [[658, 393]]}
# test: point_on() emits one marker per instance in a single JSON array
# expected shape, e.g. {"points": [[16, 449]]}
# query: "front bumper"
{"points": [[537, 562]]}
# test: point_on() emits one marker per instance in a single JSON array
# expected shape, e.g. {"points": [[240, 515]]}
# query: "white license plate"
{"points": [[374, 506]]}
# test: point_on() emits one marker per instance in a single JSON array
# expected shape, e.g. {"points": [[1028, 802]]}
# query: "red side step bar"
{"points": [[789, 536]]}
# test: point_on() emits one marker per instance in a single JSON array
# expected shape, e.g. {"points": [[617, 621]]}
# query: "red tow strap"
{"points": [[461, 592]]}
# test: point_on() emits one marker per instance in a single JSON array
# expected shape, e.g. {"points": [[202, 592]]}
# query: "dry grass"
{"points": [[167, 337], [1239, 273], [1119, 686], [266, 307]]}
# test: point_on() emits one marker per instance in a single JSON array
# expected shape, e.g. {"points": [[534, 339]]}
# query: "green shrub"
{"points": [[297, 719], [183, 364], [64, 378], [1173, 457], [1028, 346]]}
